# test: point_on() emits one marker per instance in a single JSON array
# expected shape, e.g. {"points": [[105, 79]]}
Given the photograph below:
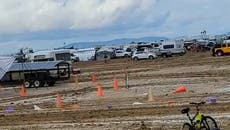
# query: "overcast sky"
{"points": [[44, 24]]}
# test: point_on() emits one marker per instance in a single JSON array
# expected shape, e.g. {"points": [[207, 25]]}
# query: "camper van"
{"points": [[86, 54], [175, 47], [51, 55]]}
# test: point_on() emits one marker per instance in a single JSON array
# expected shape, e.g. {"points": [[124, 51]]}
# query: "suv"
{"points": [[123, 53], [221, 49], [137, 55]]}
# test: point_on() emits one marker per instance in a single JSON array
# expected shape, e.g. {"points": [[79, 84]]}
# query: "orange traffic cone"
{"points": [[99, 91], [59, 103], [22, 91], [171, 102], [115, 84], [94, 78], [180, 89]]}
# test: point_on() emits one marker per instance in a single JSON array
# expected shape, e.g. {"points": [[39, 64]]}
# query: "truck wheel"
{"points": [[42, 84], [219, 53], [37, 83], [27, 84], [135, 58], [151, 57], [164, 55], [181, 54], [126, 56]]}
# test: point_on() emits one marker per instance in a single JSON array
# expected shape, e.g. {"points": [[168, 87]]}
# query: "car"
{"points": [[138, 55], [159, 52], [162, 53], [122, 53], [221, 49]]}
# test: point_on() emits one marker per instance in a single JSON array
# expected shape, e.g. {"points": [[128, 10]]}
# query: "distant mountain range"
{"points": [[113, 42]]}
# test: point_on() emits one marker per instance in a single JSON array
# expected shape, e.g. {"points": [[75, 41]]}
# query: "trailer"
{"points": [[50, 55], [86, 54], [37, 74], [175, 47]]}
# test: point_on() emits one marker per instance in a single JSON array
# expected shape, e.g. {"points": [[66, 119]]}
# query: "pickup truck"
{"points": [[162, 53]]}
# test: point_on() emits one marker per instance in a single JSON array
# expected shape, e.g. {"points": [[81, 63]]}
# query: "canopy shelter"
{"points": [[18, 72], [5, 64]]}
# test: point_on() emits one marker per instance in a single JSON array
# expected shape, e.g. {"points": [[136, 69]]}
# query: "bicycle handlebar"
{"points": [[197, 103]]}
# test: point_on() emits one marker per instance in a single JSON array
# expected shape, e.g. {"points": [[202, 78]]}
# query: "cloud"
{"points": [[54, 21], [192, 16], [114, 16], [17, 16]]}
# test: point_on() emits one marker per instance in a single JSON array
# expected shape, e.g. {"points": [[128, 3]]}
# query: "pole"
{"points": [[126, 78]]}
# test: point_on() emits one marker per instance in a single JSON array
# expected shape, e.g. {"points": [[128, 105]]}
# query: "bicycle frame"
{"points": [[192, 119], [195, 116]]}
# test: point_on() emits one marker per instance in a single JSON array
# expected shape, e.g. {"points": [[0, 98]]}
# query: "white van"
{"points": [[175, 47]]}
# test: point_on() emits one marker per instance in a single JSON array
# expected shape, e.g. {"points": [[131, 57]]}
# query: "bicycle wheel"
{"points": [[209, 123], [187, 126]]}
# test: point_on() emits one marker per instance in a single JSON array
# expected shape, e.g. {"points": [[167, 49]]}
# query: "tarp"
{"points": [[5, 64], [29, 66]]}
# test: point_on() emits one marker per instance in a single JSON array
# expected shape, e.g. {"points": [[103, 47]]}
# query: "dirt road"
{"points": [[203, 76]]}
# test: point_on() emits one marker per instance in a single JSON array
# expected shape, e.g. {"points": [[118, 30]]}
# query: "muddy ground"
{"points": [[126, 108]]}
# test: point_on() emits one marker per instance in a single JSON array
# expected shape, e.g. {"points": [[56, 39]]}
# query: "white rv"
{"points": [[175, 47], [51, 55], [85, 54]]}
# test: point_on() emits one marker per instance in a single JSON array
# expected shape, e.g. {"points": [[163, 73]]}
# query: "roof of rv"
{"points": [[168, 42], [85, 49], [51, 51]]}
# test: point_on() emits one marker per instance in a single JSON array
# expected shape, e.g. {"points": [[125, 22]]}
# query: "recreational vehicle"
{"points": [[175, 47], [51, 55], [85, 54]]}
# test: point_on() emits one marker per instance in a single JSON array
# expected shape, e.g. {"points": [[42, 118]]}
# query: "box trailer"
{"points": [[37, 74]]}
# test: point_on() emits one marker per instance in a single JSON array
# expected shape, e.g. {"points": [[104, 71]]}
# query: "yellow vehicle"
{"points": [[221, 49]]}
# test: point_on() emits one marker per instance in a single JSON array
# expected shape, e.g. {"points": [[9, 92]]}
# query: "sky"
{"points": [[47, 24]]}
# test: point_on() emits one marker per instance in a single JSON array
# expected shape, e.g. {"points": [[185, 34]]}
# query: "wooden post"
{"points": [[126, 79], [76, 80]]}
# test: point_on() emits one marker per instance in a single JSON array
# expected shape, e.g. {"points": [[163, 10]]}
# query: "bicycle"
{"points": [[199, 121]]}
